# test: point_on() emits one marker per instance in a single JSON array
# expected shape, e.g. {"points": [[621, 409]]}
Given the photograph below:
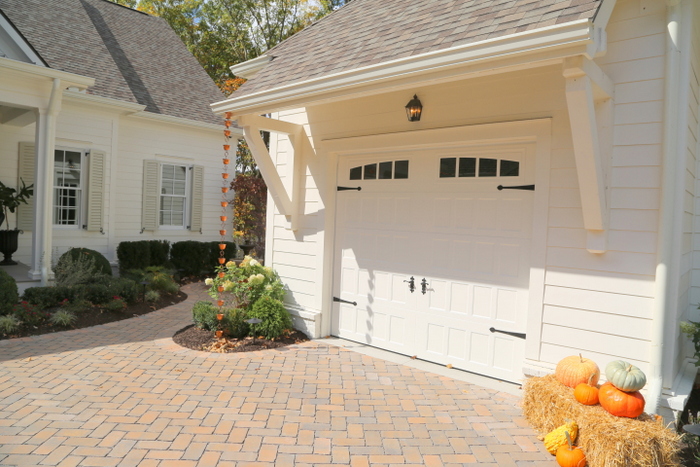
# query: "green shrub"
{"points": [[133, 255], [62, 318], [159, 252], [29, 315], [77, 306], [191, 258], [47, 297], [9, 324], [152, 296], [124, 288], [80, 266], [275, 318], [116, 304], [8, 293], [204, 315], [97, 293], [234, 323]]}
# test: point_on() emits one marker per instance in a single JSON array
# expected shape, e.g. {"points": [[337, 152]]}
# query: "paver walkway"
{"points": [[125, 394]]}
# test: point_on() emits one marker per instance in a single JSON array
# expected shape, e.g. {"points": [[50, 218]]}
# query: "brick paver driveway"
{"points": [[125, 394]]}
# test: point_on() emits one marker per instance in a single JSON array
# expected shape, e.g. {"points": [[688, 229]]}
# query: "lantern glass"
{"points": [[414, 109]]}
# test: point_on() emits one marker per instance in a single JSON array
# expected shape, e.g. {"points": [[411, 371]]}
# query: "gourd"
{"points": [[621, 403], [573, 370], [557, 437], [570, 456], [586, 393], [625, 376]]}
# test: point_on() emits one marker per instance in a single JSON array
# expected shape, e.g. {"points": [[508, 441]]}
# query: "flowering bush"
{"points": [[28, 314], [241, 286]]}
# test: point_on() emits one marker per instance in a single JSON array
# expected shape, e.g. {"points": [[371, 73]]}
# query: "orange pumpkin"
{"points": [[571, 371], [621, 403], [570, 456], [586, 393]]}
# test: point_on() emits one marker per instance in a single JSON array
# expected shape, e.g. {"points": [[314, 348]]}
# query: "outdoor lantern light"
{"points": [[413, 109]]}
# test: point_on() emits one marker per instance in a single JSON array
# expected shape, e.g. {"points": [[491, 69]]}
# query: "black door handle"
{"points": [[424, 286], [411, 284]]}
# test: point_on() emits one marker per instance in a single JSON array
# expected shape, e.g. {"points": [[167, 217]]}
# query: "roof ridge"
{"points": [[127, 7]]}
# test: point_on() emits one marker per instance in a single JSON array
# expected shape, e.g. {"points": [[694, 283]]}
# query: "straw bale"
{"points": [[607, 440]]}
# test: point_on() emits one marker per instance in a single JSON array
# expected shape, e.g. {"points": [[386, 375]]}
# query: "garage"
{"points": [[432, 259]]}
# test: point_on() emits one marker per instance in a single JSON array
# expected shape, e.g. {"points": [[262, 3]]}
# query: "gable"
{"points": [[14, 46]]}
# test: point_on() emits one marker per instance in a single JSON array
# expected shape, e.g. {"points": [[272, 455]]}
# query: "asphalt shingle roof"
{"points": [[367, 32], [133, 57]]}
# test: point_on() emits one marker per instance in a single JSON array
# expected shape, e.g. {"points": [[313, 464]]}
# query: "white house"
{"points": [[584, 112], [106, 112]]}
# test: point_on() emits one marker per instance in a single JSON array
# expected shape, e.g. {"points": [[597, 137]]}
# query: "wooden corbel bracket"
{"points": [[589, 97]]}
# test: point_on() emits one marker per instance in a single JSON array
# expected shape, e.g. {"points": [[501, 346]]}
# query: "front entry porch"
{"points": [[20, 273]]}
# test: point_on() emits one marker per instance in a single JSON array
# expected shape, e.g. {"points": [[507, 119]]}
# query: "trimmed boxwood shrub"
{"points": [[8, 293], [204, 315], [190, 258], [160, 252], [133, 255], [275, 318]]}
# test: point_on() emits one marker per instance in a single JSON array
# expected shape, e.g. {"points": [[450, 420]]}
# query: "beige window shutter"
{"points": [[197, 198], [96, 191], [151, 195], [27, 162]]}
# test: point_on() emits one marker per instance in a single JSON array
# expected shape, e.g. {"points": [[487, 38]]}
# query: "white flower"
{"points": [[209, 281], [253, 262], [230, 265]]}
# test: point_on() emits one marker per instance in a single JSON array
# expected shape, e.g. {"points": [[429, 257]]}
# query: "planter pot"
{"points": [[8, 245], [246, 247]]}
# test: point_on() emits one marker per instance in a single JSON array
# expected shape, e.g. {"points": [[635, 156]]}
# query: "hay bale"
{"points": [[607, 440]]}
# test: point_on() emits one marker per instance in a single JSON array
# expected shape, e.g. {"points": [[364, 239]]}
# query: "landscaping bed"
{"points": [[195, 338], [100, 315]]}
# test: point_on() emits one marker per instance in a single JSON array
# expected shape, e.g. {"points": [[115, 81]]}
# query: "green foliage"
{"points": [[8, 293], [9, 324], [234, 323], [159, 279], [125, 288], [116, 304], [133, 255], [76, 306], [63, 318], [47, 297], [29, 315], [245, 284], [691, 440], [11, 198], [97, 294], [275, 318], [80, 266], [191, 258], [692, 330], [152, 296], [204, 315], [249, 210]]}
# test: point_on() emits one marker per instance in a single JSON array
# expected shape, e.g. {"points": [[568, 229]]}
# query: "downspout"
{"points": [[663, 290], [49, 142]]}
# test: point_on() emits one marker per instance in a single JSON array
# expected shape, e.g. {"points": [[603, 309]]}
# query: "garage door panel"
{"points": [[468, 240]]}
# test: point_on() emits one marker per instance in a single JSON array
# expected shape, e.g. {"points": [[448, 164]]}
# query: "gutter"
{"points": [[663, 287], [69, 79], [553, 43]]}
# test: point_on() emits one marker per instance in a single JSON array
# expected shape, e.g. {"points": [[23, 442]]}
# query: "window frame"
{"points": [[82, 208], [188, 196]]}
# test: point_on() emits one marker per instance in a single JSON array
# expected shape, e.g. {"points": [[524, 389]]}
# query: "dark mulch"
{"points": [[199, 339], [98, 315]]}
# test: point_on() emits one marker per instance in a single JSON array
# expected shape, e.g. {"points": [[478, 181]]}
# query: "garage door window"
{"points": [[472, 167], [388, 170]]}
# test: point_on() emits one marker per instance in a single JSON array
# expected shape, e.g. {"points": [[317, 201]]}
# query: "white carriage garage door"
{"points": [[435, 256]]}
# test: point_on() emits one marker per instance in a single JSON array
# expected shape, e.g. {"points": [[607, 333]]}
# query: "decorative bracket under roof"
{"points": [[589, 97], [288, 205]]}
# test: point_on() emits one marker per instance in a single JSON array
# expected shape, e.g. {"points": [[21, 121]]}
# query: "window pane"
{"points": [[401, 169], [371, 172], [487, 167], [510, 168], [179, 188], [356, 173], [448, 167], [180, 172], [385, 170], [66, 185], [177, 218], [165, 218], [467, 167], [178, 204], [166, 203], [168, 171]]}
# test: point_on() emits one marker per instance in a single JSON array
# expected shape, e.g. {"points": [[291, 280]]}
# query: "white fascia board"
{"points": [[184, 121], [105, 102], [67, 79], [530, 48], [251, 67], [18, 43]]}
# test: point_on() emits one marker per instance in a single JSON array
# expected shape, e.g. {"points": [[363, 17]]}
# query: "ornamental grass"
{"points": [[607, 440]]}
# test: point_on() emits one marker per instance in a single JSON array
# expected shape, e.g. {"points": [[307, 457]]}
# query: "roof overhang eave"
{"points": [[67, 79], [527, 49]]}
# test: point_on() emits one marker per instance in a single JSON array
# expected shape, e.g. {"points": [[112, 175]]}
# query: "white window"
{"points": [[68, 186], [174, 187]]}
